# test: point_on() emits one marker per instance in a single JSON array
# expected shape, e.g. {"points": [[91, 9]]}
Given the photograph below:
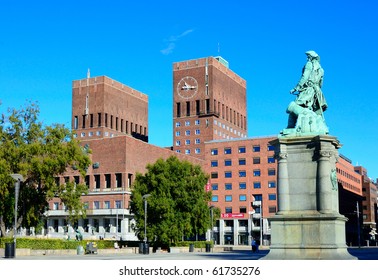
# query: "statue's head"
{"points": [[312, 54]]}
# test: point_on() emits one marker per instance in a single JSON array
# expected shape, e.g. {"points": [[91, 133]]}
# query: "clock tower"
{"points": [[209, 103]]}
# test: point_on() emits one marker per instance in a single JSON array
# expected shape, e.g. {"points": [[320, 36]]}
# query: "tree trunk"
{"points": [[2, 227]]}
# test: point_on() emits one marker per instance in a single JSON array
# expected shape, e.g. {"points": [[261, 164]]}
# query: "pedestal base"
{"points": [[312, 236]]}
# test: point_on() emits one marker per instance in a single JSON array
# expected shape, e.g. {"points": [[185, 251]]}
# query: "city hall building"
{"points": [[209, 129]]}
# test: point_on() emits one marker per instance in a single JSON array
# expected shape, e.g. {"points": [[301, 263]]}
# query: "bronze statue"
{"points": [[310, 102]]}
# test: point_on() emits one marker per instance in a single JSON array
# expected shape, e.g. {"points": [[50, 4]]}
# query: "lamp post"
{"points": [[19, 178], [358, 225], [212, 220], [145, 218]]}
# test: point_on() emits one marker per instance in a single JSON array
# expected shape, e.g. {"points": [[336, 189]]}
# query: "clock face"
{"points": [[187, 87]]}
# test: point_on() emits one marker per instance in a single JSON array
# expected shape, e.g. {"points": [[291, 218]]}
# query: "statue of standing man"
{"points": [[306, 112]]}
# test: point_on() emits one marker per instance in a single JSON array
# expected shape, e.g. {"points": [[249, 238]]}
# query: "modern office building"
{"points": [[369, 208], [243, 179]]}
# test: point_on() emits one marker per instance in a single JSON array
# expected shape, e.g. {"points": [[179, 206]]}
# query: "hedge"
{"points": [[54, 244], [60, 244]]}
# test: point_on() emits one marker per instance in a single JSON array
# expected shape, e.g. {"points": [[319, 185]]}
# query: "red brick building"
{"points": [[110, 119], [209, 102], [210, 129], [369, 207]]}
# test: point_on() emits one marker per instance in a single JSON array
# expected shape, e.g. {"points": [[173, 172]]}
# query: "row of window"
{"points": [[243, 173], [242, 197], [98, 133], [114, 123], [348, 175], [242, 161], [240, 150], [188, 142], [188, 151], [188, 132], [96, 205], [243, 209], [101, 180], [219, 110], [216, 132], [243, 185]]}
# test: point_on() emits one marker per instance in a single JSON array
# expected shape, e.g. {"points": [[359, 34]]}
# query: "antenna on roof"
{"points": [[87, 97]]}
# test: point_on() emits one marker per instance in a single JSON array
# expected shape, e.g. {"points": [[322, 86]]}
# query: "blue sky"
{"points": [[45, 45]]}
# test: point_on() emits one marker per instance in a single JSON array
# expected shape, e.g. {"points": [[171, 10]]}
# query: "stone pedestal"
{"points": [[308, 224]]}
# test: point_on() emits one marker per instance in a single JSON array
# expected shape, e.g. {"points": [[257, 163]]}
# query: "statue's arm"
{"points": [[305, 76]]}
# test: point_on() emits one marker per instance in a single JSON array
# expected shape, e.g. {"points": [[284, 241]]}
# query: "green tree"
{"points": [[178, 206], [39, 153]]}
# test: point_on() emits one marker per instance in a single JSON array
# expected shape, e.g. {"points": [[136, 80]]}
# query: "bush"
{"points": [[197, 244]]}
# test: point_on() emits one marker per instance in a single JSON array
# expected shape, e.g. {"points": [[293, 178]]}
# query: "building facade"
{"points": [[110, 119], [369, 208], [209, 103], [209, 129]]}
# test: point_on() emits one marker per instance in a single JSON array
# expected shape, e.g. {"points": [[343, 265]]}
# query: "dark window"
{"points": [[228, 186], [214, 175], [91, 120], [228, 174], [256, 185], [76, 122], [242, 161], [214, 163], [178, 109], [227, 162], [256, 148], [118, 180], [257, 173], [256, 160], [227, 151], [99, 119], [241, 150], [272, 172], [242, 173], [271, 160], [272, 196], [242, 186], [214, 152], [97, 181], [108, 182]]}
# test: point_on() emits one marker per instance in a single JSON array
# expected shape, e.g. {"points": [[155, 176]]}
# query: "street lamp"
{"points": [[19, 178], [145, 217], [212, 226]]}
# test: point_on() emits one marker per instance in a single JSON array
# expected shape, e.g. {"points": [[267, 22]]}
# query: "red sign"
{"points": [[208, 186], [232, 215]]}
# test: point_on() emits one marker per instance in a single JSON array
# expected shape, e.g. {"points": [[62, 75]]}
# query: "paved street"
{"points": [[366, 253]]}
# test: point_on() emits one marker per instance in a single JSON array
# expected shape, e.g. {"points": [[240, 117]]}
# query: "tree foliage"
{"points": [[39, 153], [178, 206]]}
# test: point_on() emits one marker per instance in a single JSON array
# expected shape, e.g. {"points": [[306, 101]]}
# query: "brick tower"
{"points": [[209, 103]]}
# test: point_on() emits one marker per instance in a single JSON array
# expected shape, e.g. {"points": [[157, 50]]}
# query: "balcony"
{"points": [[207, 114]]}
